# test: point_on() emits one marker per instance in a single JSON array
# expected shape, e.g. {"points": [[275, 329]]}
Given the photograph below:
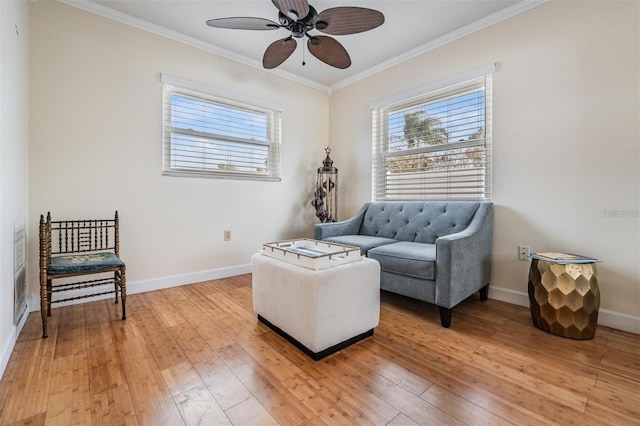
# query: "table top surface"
{"points": [[562, 258]]}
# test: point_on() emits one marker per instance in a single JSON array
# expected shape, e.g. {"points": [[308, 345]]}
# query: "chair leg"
{"points": [[44, 308], [116, 280], [484, 293], [123, 291], [49, 293], [445, 316]]}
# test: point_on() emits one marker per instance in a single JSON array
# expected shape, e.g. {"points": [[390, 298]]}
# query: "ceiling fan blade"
{"points": [[241, 23], [348, 20], [278, 52], [329, 51], [299, 7]]}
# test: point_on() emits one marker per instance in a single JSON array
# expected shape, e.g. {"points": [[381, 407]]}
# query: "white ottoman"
{"points": [[319, 311]]}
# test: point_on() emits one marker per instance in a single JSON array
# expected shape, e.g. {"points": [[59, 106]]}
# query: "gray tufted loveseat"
{"points": [[435, 251]]}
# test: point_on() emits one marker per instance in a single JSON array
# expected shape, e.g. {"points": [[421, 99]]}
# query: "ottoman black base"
{"points": [[316, 356]]}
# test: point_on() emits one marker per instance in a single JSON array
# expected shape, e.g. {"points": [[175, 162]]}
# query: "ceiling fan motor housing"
{"points": [[299, 27]]}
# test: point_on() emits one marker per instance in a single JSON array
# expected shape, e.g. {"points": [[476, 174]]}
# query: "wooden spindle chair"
{"points": [[74, 248]]}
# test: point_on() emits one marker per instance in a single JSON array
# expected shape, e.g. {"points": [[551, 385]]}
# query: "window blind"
{"points": [[436, 145], [210, 136]]}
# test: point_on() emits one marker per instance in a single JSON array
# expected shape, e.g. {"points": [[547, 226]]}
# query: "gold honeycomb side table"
{"points": [[564, 298]]}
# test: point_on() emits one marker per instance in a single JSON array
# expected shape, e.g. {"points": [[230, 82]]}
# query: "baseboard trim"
{"points": [[606, 317], [143, 286], [11, 343], [619, 321]]}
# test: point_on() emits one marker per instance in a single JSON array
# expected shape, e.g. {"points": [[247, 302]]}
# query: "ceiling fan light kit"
{"points": [[298, 17]]}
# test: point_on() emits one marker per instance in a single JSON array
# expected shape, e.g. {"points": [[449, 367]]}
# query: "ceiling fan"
{"points": [[298, 17]]}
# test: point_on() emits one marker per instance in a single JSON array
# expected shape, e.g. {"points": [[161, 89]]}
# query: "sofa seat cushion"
{"points": [[365, 242], [407, 258]]}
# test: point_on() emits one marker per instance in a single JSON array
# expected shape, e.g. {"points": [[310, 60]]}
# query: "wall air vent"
{"points": [[20, 282]]}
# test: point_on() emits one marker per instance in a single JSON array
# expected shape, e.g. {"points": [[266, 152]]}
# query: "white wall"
{"points": [[96, 140], [566, 140], [14, 150]]}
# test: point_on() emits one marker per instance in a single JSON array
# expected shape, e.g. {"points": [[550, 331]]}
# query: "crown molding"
{"points": [[123, 18], [474, 27], [105, 12]]}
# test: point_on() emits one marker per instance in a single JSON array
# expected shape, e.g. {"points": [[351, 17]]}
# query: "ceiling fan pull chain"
{"points": [[304, 48]]}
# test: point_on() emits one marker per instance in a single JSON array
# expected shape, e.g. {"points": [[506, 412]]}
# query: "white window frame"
{"points": [[447, 182], [209, 167]]}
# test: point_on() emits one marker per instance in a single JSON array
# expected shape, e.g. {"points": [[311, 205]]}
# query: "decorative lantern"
{"points": [[325, 198]]}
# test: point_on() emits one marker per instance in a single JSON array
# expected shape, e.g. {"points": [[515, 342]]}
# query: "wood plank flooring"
{"points": [[197, 355]]}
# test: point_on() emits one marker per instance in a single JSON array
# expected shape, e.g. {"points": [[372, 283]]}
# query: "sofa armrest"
{"points": [[350, 226], [463, 259]]}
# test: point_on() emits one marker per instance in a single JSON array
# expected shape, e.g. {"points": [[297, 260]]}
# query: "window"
{"points": [[207, 134], [435, 142]]}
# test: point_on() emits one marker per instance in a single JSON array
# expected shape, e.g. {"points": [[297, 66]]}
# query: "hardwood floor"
{"points": [[197, 355]]}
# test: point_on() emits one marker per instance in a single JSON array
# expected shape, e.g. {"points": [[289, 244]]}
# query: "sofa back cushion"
{"points": [[417, 221]]}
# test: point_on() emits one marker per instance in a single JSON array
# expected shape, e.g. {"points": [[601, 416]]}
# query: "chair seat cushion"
{"points": [[365, 242], [83, 263], [407, 258]]}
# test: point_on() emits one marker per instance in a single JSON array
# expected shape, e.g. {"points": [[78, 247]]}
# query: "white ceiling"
{"points": [[410, 28]]}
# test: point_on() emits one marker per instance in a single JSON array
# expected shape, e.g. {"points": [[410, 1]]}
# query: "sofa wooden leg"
{"points": [[445, 316], [484, 293]]}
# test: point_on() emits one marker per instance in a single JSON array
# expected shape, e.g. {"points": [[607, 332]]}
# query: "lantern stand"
{"points": [[325, 199]]}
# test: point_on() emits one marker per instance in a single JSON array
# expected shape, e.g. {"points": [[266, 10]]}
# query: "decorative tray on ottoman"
{"points": [[312, 254]]}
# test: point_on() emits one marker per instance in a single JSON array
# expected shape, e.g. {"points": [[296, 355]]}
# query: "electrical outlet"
{"points": [[227, 235], [523, 253]]}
